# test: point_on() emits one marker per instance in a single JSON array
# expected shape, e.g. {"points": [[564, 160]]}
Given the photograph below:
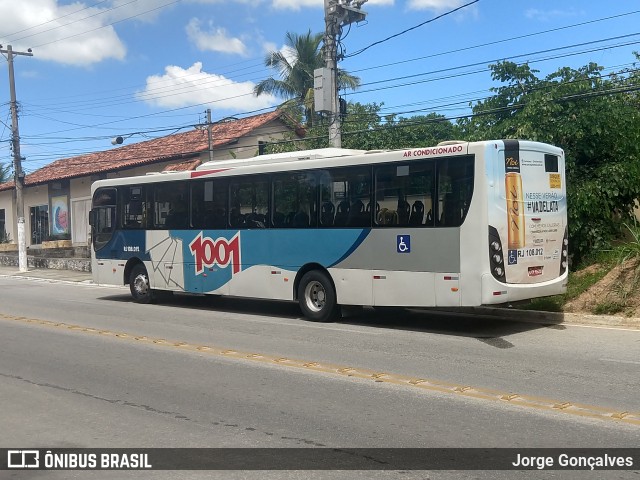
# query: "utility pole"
{"points": [[332, 28], [337, 13], [17, 159]]}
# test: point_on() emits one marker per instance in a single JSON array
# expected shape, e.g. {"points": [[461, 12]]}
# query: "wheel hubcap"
{"points": [[141, 285], [315, 296]]}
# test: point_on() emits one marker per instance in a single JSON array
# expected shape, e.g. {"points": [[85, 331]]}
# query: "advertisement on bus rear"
{"points": [[528, 211]]}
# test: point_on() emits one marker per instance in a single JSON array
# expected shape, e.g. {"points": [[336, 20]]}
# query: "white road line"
{"points": [[632, 362]]}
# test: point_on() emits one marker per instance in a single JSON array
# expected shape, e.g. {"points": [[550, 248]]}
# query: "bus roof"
{"points": [[282, 157]]}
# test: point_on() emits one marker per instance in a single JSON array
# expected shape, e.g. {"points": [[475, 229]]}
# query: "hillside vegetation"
{"points": [[605, 284], [592, 115]]}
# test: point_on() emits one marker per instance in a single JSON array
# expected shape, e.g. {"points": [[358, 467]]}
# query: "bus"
{"points": [[456, 225]]}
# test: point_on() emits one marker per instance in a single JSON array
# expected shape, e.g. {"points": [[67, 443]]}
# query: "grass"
{"points": [[609, 307]]}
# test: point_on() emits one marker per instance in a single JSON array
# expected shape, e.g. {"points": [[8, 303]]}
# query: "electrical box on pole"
{"points": [[337, 13], [322, 91]]}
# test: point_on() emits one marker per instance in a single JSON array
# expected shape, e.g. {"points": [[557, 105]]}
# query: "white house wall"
{"points": [[247, 146], [6, 203]]}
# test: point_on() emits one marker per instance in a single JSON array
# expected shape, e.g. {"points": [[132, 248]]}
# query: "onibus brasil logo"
{"points": [[208, 252]]}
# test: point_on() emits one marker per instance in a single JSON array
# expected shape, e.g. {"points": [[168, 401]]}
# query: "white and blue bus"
{"points": [[459, 224]]}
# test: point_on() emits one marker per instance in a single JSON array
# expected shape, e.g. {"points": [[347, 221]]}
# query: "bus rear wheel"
{"points": [[317, 297], [139, 285]]}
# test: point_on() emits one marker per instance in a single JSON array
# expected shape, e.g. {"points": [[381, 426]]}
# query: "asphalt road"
{"points": [[83, 366]]}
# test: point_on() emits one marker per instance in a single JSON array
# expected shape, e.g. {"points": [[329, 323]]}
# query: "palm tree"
{"points": [[296, 72], [5, 172]]}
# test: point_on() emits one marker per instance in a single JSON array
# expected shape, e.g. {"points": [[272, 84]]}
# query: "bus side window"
{"points": [[209, 204], [294, 200], [404, 192], [171, 205], [249, 202], [455, 188], [134, 207], [348, 191]]}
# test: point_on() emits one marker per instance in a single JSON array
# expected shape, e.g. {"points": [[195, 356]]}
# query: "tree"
{"points": [[5, 172], [295, 68], [595, 119], [364, 129]]}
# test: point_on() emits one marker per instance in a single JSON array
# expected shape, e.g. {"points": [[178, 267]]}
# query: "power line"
{"points": [[496, 42], [362, 50], [108, 24]]}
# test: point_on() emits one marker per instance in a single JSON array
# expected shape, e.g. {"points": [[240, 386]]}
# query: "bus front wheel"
{"points": [[139, 284], [317, 297]]}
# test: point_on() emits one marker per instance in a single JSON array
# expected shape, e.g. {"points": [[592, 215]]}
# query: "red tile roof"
{"points": [[183, 166], [181, 146]]}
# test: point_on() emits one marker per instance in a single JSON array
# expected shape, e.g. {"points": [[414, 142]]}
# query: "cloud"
{"points": [[546, 15], [69, 34], [180, 87], [437, 5], [297, 4], [378, 3], [215, 39], [141, 10]]}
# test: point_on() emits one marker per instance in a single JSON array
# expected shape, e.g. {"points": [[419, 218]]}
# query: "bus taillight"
{"points": [[496, 257]]}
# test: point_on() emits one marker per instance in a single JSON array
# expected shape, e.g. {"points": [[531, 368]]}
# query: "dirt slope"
{"points": [[618, 293]]}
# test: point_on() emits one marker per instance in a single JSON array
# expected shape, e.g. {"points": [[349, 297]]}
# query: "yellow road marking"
{"points": [[526, 401]]}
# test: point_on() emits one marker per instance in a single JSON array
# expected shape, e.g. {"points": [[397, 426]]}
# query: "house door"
{"points": [[39, 217], [80, 221]]}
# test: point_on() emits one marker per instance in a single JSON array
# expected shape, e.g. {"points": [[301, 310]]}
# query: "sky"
{"points": [[141, 69]]}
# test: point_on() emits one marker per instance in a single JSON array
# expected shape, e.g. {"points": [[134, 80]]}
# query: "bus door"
{"points": [[102, 219]]}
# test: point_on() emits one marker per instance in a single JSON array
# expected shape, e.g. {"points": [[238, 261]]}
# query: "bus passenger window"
{"points": [[134, 207], [403, 193], [345, 194], [209, 204], [294, 200], [171, 205], [455, 187], [249, 203]]}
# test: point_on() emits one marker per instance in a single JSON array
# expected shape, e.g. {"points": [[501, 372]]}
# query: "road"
{"points": [[83, 366]]}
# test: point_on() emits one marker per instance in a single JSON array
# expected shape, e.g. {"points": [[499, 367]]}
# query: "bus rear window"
{"points": [[551, 163]]}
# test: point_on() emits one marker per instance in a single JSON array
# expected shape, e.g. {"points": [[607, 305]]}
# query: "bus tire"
{"points": [[317, 297], [139, 285]]}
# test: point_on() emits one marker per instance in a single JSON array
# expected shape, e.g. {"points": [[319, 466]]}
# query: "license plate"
{"points": [[535, 271]]}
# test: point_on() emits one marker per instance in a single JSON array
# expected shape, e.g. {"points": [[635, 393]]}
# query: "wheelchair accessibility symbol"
{"points": [[403, 244], [512, 259]]}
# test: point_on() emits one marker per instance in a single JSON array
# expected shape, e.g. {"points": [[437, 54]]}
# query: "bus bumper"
{"points": [[494, 292]]}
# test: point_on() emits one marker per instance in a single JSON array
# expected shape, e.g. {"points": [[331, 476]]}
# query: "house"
{"points": [[57, 197]]}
